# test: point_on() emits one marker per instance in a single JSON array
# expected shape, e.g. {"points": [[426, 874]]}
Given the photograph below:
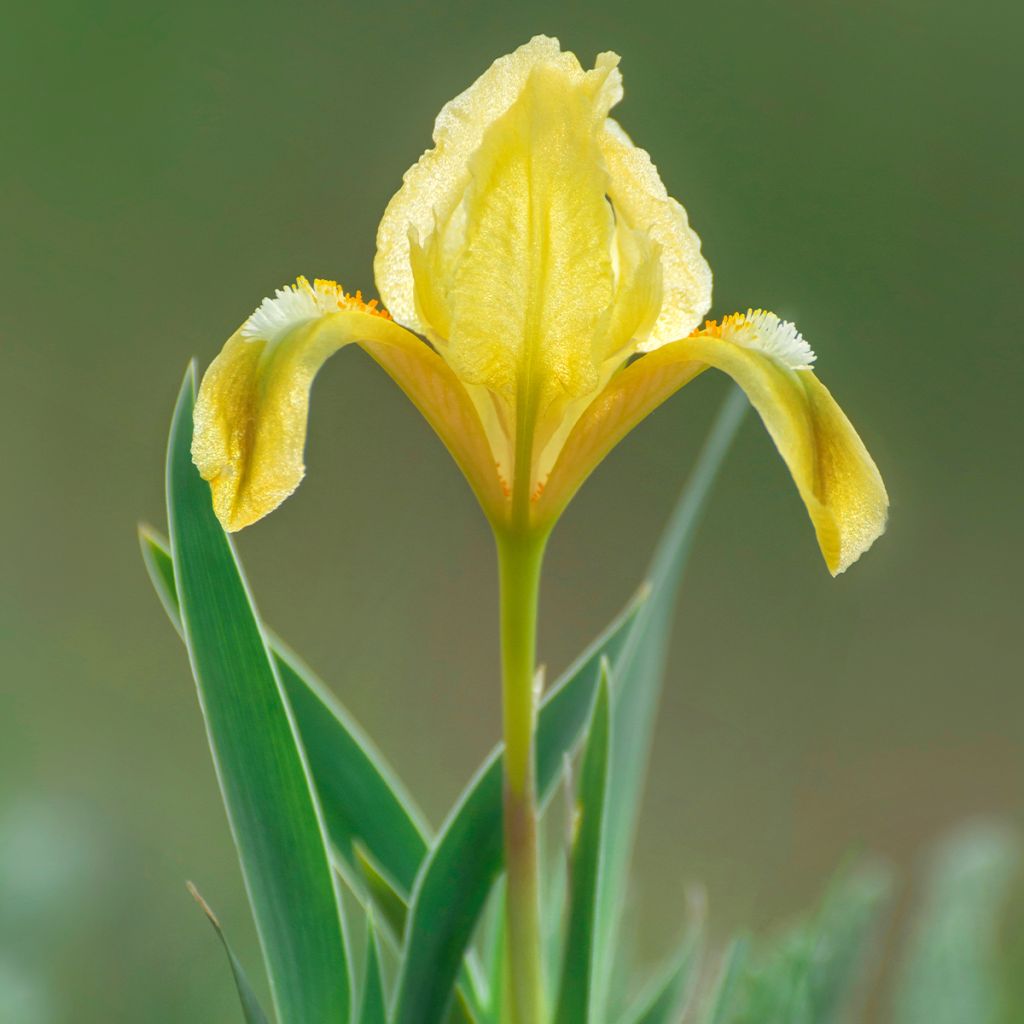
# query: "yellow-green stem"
{"points": [[520, 555]]}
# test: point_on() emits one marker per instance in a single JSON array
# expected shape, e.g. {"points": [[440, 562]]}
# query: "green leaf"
{"points": [[721, 1004], [364, 805], [555, 844], [376, 831], [809, 975], [573, 1006], [385, 896], [267, 792], [665, 999], [467, 856], [951, 972], [373, 1006], [251, 1009], [362, 799], [469, 1004], [493, 950], [638, 675], [841, 940]]}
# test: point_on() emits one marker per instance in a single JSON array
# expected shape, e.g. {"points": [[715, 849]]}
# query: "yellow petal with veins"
{"points": [[433, 187], [537, 248], [534, 276], [642, 203], [836, 477], [253, 404]]}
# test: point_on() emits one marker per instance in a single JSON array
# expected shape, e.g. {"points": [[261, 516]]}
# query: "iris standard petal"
{"points": [[642, 203], [534, 277], [433, 187], [537, 249]]}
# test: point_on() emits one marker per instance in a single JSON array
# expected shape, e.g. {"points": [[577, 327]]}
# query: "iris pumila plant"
{"points": [[542, 294]]}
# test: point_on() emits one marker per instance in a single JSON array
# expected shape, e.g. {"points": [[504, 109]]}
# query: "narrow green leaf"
{"points": [[156, 557], [721, 1004], [493, 951], [251, 1009], [470, 1004], [555, 841], [951, 971], [638, 676], [841, 942], [362, 798], [375, 829], [373, 1006], [385, 896], [461, 1010], [363, 802], [262, 773], [665, 999], [573, 1006], [810, 974], [467, 856]]}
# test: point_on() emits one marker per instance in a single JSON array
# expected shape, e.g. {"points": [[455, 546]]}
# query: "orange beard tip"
{"points": [[346, 300]]}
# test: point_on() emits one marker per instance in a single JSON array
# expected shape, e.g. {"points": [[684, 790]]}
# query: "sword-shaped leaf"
{"points": [[468, 856], [574, 1003], [373, 1005], [364, 805], [665, 999], [638, 677], [274, 816], [251, 1009]]}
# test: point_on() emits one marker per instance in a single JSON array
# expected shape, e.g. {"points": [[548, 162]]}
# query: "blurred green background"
{"points": [[853, 166]]}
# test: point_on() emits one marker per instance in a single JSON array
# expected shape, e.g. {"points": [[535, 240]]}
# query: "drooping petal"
{"points": [[836, 477], [252, 408]]}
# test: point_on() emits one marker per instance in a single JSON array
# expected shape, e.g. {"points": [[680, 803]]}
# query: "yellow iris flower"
{"points": [[537, 251]]}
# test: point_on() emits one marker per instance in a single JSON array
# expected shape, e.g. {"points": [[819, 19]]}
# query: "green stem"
{"points": [[520, 556]]}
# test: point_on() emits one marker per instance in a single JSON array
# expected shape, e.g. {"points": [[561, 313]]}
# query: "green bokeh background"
{"points": [[853, 166]]}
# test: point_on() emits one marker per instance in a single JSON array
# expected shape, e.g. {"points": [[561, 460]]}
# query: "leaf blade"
{"points": [[267, 791], [467, 856], [723, 999], [574, 998], [950, 972], [251, 1009], [664, 1001], [363, 803], [473, 831], [638, 677], [376, 830], [373, 1005]]}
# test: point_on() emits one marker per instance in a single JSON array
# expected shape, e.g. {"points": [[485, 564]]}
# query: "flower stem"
{"points": [[520, 556]]}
